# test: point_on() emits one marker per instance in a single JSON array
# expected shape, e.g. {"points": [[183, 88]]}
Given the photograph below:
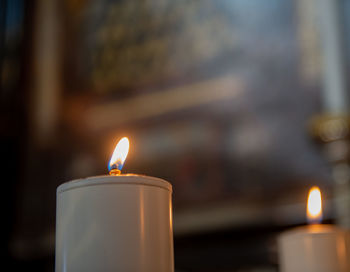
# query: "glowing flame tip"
{"points": [[314, 205], [119, 155]]}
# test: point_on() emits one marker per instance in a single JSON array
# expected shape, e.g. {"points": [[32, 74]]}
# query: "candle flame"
{"points": [[119, 155], [314, 205]]}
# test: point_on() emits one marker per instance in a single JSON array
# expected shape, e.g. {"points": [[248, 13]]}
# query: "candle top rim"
{"points": [[315, 229], [123, 179]]}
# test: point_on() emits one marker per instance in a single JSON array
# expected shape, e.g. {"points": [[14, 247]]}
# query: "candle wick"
{"points": [[114, 172]]}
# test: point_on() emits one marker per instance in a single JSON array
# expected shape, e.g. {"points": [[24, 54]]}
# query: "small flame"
{"points": [[119, 155], [314, 205]]}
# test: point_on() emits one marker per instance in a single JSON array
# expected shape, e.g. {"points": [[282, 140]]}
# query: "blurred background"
{"points": [[241, 105]]}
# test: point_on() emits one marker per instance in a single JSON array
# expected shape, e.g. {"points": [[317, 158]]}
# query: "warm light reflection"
{"points": [[119, 155], [314, 205]]}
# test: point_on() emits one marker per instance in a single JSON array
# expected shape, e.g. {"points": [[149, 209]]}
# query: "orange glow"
{"points": [[314, 205], [119, 155]]}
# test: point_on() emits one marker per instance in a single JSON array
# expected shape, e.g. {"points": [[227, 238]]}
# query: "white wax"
{"points": [[114, 223], [314, 248]]}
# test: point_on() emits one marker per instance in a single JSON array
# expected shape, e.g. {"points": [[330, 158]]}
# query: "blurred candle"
{"points": [[114, 223], [314, 248], [335, 96]]}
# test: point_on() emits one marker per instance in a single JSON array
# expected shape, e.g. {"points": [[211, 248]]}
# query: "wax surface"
{"points": [[315, 248], [114, 223]]}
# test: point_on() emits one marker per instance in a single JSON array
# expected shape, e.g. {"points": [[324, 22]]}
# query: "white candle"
{"points": [[114, 223], [314, 248]]}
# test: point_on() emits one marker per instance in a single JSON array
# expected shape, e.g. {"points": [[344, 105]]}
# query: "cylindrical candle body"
{"points": [[315, 248], [114, 223]]}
